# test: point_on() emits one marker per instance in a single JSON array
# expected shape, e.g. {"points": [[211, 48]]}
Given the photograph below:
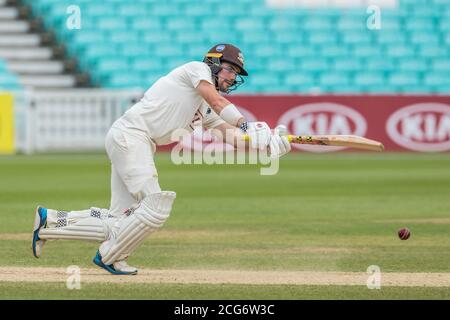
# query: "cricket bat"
{"points": [[350, 141]]}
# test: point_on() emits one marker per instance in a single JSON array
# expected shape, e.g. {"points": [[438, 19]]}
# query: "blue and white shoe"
{"points": [[40, 221], [117, 268]]}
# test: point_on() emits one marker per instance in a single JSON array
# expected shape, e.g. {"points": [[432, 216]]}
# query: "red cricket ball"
{"points": [[404, 233]]}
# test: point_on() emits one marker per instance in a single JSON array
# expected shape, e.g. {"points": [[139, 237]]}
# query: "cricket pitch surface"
{"points": [[88, 275]]}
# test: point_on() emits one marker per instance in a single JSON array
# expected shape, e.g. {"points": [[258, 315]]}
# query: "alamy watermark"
{"points": [[374, 279], [193, 150], [73, 21], [374, 20], [74, 279]]}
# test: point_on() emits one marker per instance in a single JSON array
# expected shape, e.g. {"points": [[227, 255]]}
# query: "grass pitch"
{"points": [[327, 212]]}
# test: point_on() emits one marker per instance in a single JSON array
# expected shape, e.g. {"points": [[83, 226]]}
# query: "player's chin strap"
{"points": [[213, 61]]}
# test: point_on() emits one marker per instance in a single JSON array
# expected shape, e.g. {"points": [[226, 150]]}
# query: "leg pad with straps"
{"points": [[151, 214]]}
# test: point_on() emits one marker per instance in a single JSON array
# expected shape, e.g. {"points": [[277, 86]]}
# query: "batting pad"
{"points": [[151, 214], [91, 229]]}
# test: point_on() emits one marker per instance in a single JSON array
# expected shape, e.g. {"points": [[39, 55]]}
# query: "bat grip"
{"points": [[290, 137]]}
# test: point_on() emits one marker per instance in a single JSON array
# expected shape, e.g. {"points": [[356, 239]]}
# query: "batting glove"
{"points": [[279, 143], [259, 134]]}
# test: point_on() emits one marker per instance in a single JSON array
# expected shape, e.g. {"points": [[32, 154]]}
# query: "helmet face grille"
{"points": [[215, 65]]}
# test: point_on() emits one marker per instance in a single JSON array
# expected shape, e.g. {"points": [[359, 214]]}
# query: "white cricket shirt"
{"points": [[172, 103]]}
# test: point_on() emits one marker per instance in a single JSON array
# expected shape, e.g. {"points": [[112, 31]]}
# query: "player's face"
{"points": [[227, 76]]}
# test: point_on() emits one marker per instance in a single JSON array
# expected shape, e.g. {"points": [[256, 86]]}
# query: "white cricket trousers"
{"points": [[133, 171]]}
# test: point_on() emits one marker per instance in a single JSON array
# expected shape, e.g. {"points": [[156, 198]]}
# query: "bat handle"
{"points": [[290, 137]]}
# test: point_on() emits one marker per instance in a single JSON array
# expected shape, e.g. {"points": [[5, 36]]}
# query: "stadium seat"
{"points": [[403, 78], [289, 39], [112, 24], [345, 24], [111, 65], [256, 37], [132, 10], [400, 51], [335, 51], [145, 24], [441, 89], [344, 88], [144, 64], [101, 50], [123, 37], [279, 65], [419, 24], [187, 38], [412, 64], [90, 37], [156, 38], [299, 48], [295, 78], [132, 50], [314, 64], [368, 51], [180, 25], [433, 51], [357, 37], [99, 10], [174, 63], [164, 10], [444, 25], [334, 79], [8, 81], [441, 64], [322, 38], [317, 23], [383, 64], [386, 38], [260, 79], [437, 78], [249, 25], [367, 79], [300, 51], [447, 39], [384, 88], [283, 25], [390, 24], [425, 38], [125, 80], [198, 10], [343, 64], [416, 89]]}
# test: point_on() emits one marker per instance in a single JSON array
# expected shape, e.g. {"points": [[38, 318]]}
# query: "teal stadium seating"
{"points": [[128, 44], [8, 80]]}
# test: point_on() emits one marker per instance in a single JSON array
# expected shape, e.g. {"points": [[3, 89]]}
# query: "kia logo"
{"points": [[323, 118], [421, 127]]}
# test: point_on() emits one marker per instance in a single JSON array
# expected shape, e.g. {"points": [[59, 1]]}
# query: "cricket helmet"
{"points": [[226, 53]]}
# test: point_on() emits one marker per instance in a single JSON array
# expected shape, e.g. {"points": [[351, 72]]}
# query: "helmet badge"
{"points": [[241, 58]]}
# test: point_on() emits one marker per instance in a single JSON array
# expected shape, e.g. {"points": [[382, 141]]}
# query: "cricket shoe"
{"points": [[40, 221], [118, 267]]}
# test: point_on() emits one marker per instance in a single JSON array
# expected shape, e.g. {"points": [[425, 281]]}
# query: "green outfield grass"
{"points": [[28, 290], [327, 212]]}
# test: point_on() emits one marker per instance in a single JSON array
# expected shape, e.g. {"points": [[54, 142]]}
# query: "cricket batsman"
{"points": [[186, 97]]}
